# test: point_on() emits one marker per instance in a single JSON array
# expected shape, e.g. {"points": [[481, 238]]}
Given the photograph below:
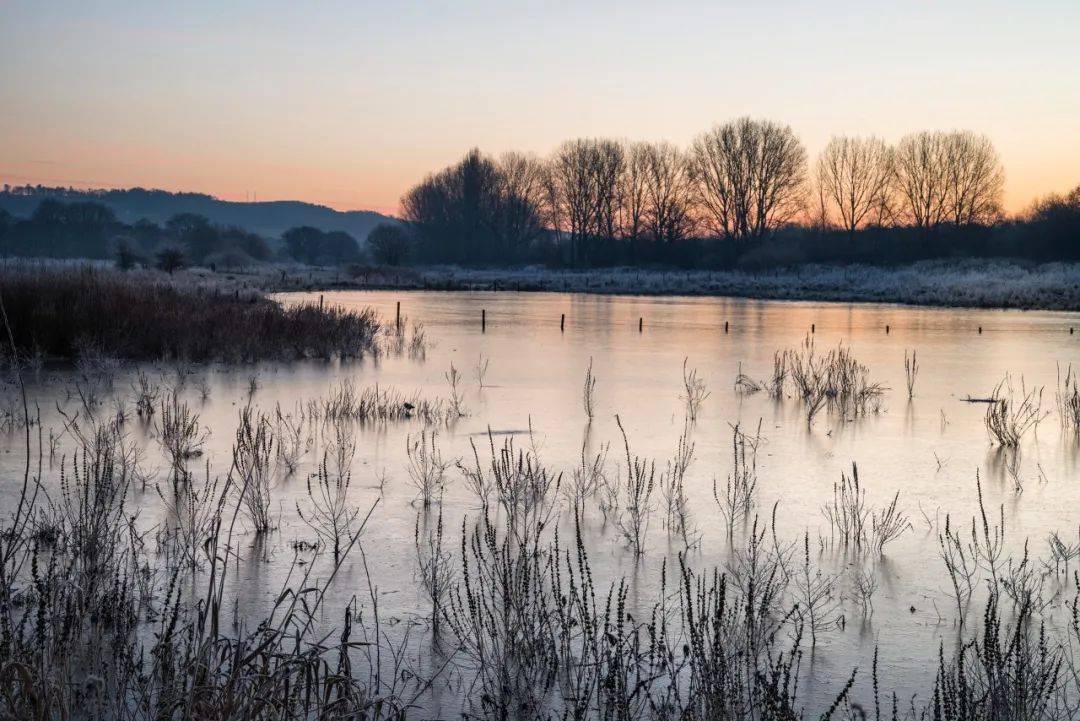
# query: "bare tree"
{"points": [[668, 193], [572, 192], [520, 200], [854, 179], [975, 179], [921, 178], [750, 177], [634, 193], [586, 174], [607, 174]]}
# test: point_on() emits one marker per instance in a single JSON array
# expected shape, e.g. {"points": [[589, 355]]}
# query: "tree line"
{"points": [[742, 193], [88, 229]]}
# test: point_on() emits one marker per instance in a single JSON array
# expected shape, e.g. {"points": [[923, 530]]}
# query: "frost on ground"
{"points": [[968, 283], [962, 283]]}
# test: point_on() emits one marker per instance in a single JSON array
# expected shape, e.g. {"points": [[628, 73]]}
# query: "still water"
{"points": [[929, 448]]}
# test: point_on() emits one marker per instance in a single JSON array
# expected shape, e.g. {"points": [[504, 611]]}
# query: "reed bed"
{"points": [[835, 380], [1012, 413], [375, 403], [70, 312]]}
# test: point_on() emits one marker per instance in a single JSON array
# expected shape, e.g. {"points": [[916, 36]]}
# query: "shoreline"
{"points": [[974, 284], [986, 285]]}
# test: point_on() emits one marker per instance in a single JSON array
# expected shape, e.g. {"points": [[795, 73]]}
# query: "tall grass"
{"points": [[1068, 401], [69, 312], [426, 468], [588, 392], [911, 371], [835, 380], [694, 391], [1011, 413], [252, 461], [739, 495]]}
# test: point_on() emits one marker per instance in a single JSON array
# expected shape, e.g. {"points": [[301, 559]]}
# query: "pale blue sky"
{"points": [[348, 103]]}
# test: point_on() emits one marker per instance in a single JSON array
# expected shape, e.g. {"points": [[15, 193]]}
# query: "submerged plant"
{"points": [[252, 453], [1068, 401], [911, 372], [1010, 415], [455, 401], [854, 524], [636, 489], [179, 432], [426, 467], [588, 394], [739, 493], [328, 511], [695, 391], [481, 369]]}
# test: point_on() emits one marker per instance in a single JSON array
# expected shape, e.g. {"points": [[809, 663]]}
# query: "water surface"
{"points": [[929, 448]]}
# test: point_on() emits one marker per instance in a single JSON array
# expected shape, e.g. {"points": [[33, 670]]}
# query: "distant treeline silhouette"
{"points": [[87, 229], [742, 194], [269, 219]]}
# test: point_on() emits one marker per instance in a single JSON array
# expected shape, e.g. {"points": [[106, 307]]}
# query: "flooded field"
{"points": [[662, 432]]}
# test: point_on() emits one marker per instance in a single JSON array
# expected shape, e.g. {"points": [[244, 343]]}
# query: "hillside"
{"points": [[270, 219]]}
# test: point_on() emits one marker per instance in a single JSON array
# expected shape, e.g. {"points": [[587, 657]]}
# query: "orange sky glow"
{"points": [[348, 104]]}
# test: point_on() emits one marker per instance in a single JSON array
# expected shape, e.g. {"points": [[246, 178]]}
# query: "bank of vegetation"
{"points": [[77, 311]]}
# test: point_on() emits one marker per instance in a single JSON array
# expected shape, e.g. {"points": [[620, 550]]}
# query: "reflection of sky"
{"points": [[349, 103]]}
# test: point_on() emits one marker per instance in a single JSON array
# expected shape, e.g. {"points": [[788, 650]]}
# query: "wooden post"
{"points": [[813, 328], [640, 324], [725, 326], [397, 318], [320, 302], [562, 323], [483, 320]]}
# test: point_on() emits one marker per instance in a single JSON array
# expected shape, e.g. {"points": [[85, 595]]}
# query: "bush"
{"points": [[390, 244], [126, 257], [171, 258]]}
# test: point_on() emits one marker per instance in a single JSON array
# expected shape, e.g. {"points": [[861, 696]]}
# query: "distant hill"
{"points": [[269, 219]]}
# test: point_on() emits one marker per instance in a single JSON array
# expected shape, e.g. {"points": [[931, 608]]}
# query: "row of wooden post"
{"points": [[640, 323]]}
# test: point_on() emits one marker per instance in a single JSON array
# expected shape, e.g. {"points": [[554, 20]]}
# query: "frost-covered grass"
{"points": [[967, 283], [970, 283]]}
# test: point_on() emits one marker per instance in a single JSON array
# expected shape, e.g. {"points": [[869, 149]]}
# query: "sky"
{"points": [[349, 103]]}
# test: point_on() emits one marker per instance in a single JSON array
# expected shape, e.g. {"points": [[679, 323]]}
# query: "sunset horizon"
{"points": [[349, 107]]}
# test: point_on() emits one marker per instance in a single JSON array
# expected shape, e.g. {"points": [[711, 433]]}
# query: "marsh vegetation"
{"points": [[395, 540]]}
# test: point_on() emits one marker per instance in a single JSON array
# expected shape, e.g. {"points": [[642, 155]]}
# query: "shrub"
{"points": [[170, 259], [390, 244]]}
